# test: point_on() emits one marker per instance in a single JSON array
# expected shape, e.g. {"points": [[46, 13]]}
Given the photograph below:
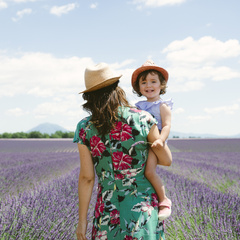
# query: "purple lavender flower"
{"points": [[39, 196]]}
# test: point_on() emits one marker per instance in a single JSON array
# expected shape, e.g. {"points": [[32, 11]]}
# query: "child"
{"points": [[150, 81]]}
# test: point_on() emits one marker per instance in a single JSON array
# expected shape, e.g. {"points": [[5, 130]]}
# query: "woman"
{"points": [[114, 140]]}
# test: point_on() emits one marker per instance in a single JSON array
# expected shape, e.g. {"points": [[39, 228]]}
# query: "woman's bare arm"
{"points": [[85, 187]]}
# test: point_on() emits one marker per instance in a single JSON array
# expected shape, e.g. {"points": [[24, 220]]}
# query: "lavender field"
{"points": [[38, 189]]}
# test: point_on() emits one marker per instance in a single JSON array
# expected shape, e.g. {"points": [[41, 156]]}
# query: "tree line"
{"points": [[37, 134]]}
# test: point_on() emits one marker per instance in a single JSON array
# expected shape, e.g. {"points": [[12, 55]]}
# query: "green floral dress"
{"points": [[127, 205]]}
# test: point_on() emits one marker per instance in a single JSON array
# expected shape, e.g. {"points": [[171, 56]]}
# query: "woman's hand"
{"points": [[81, 230]]}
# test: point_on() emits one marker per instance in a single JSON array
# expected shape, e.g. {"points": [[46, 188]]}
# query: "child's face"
{"points": [[150, 87]]}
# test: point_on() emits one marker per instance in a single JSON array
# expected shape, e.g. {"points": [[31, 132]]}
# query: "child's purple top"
{"points": [[154, 108]]}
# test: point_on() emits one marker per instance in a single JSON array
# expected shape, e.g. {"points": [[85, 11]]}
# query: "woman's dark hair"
{"points": [[103, 105], [143, 76]]}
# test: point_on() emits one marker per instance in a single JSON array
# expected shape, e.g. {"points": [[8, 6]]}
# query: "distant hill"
{"points": [[199, 135], [48, 128]]}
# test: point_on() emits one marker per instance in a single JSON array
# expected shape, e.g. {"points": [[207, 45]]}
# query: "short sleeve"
{"points": [[80, 132]]}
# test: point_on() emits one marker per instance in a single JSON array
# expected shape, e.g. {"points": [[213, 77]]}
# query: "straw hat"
{"points": [[99, 76], [149, 64]]}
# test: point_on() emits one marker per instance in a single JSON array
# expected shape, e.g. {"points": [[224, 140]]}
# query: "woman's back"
{"points": [[127, 205]]}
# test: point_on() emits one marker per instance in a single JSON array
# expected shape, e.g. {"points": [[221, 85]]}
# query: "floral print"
{"points": [[154, 201], [82, 134], [115, 217], [97, 146], [127, 205], [121, 132], [129, 238], [121, 161], [99, 207]]}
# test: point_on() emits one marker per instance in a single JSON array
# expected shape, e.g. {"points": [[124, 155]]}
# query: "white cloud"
{"points": [[197, 60], [23, 1], [231, 109], [156, 3], [54, 82], [41, 74], [122, 64], [94, 5], [16, 112], [221, 73], [198, 118], [206, 50], [50, 108], [60, 10], [21, 13], [38, 91], [179, 110], [65, 106], [3, 4], [186, 86]]}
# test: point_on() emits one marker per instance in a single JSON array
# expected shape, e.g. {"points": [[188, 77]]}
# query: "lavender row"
{"points": [[13, 160], [220, 172], [205, 145], [48, 212], [198, 211], [37, 145], [28, 170], [226, 160], [48, 208]]}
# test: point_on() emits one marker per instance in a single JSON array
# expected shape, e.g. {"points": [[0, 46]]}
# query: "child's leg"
{"points": [[153, 177], [155, 180]]}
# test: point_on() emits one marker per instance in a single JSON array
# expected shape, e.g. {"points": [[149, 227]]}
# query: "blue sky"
{"points": [[45, 45]]}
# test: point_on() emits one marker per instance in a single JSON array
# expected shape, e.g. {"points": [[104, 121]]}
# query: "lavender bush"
{"points": [[26, 164], [39, 198], [204, 185]]}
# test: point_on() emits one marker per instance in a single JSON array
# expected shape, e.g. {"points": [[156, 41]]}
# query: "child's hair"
{"points": [[143, 75]]}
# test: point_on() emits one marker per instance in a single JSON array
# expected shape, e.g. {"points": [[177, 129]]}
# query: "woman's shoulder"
{"points": [[84, 122], [135, 110], [137, 115], [80, 132]]}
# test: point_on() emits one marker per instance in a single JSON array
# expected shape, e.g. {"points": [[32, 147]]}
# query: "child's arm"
{"points": [[165, 112]]}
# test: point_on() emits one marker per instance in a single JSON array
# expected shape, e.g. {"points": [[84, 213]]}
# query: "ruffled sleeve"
{"points": [[169, 102]]}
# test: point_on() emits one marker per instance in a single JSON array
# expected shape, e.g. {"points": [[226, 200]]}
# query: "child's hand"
{"points": [[159, 143]]}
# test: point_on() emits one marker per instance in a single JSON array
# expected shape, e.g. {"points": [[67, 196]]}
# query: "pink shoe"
{"points": [[166, 212]]}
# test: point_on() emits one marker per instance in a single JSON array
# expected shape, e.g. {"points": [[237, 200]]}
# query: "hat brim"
{"points": [[145, 68], [102, 84]]}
